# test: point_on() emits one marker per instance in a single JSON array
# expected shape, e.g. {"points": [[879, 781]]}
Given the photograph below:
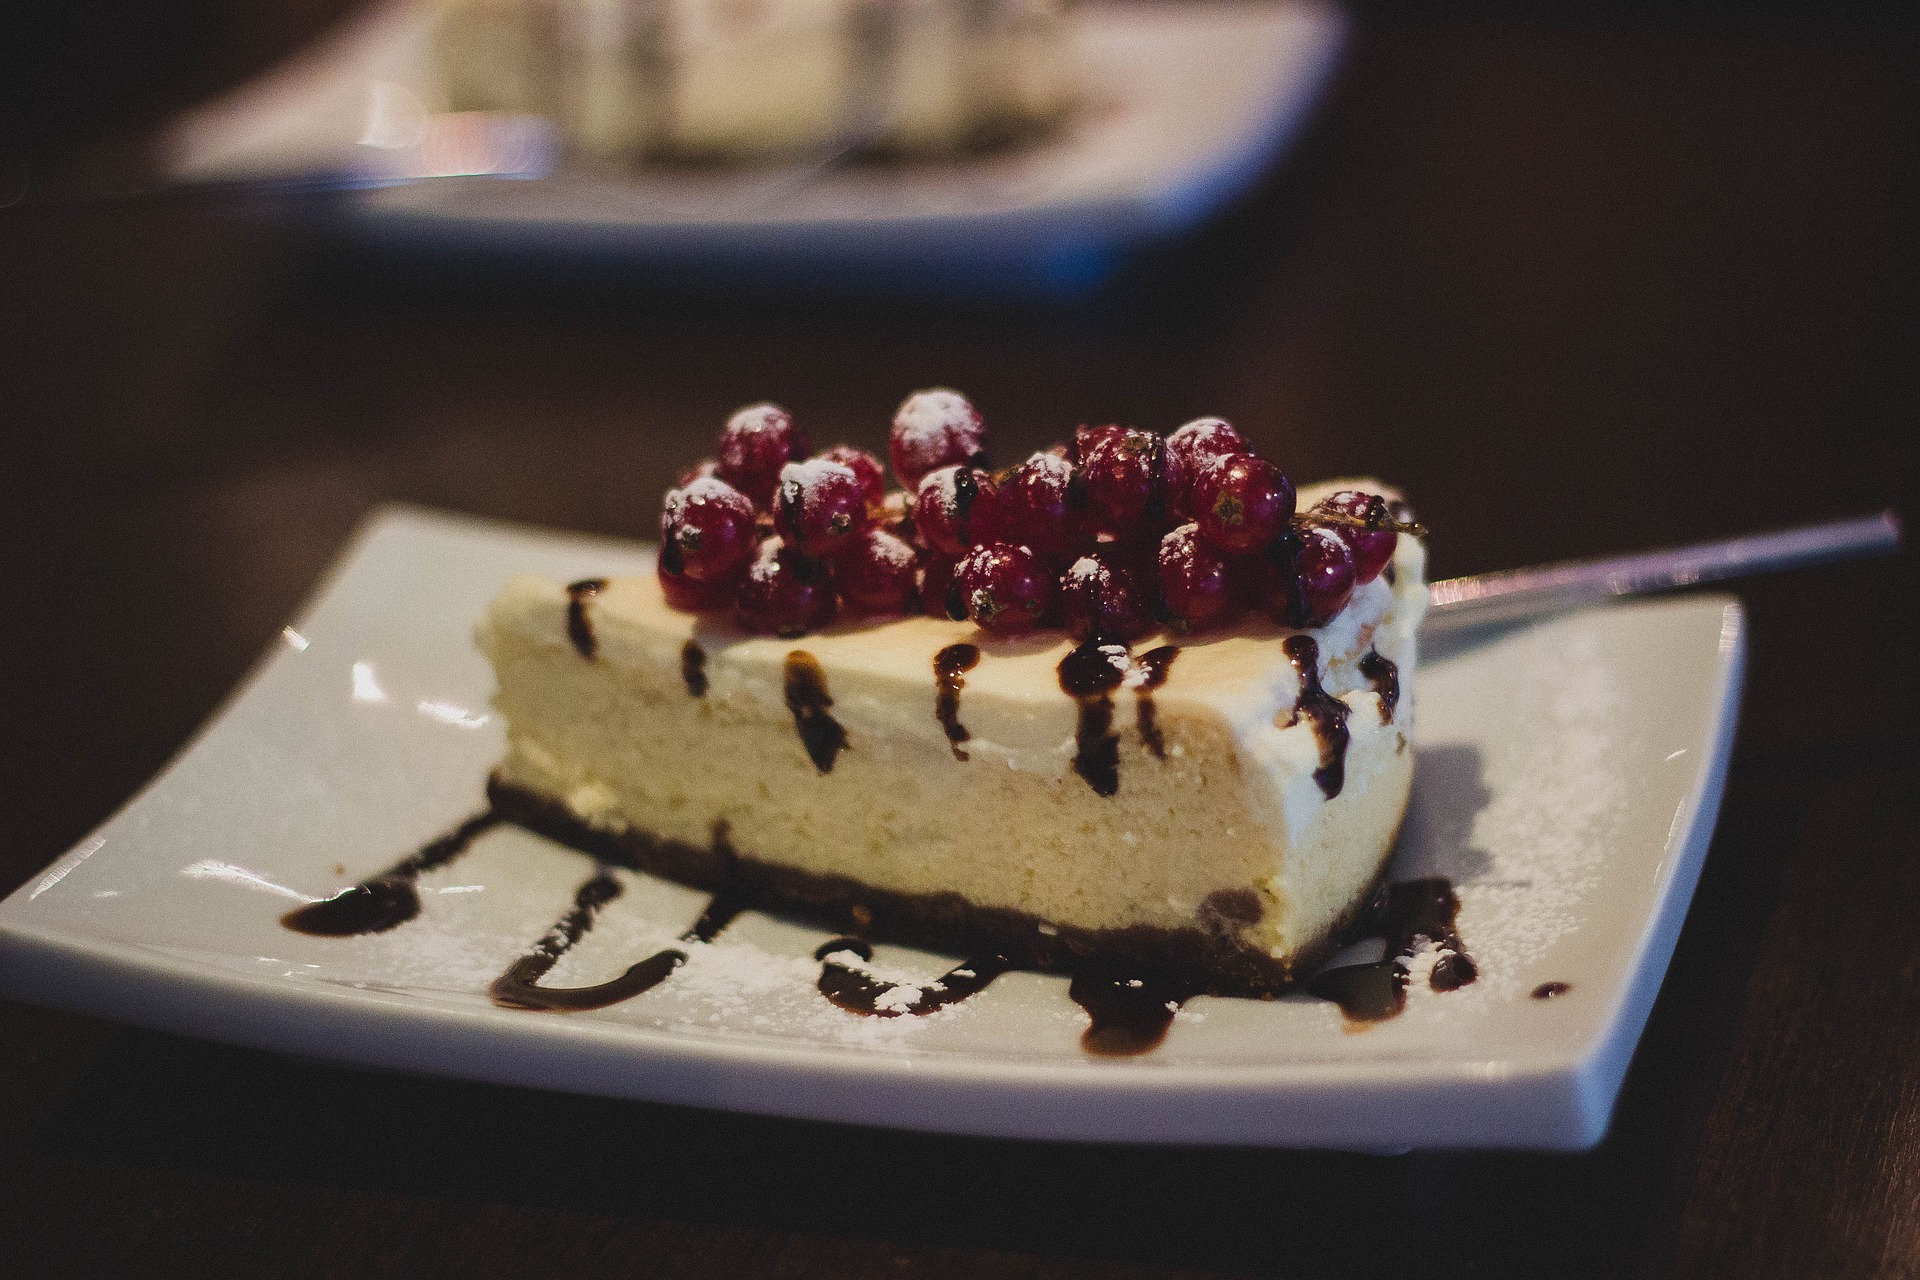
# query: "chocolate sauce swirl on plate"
{"points": [[1131, 1012], [1403, 915], [518, 987], [853, 988], [387, 898]]}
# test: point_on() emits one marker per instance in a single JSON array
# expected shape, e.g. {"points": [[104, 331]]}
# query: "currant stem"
{"points": [[1372, 521]]}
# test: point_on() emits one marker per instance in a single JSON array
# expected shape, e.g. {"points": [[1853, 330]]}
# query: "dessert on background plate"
{"points": [[743, 80], [1132, 708]]}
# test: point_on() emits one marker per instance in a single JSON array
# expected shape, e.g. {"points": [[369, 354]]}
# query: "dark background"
{"points": [[1583, 282]]}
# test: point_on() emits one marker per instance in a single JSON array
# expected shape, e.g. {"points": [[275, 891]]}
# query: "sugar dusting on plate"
{"points": [[1521, 820]]}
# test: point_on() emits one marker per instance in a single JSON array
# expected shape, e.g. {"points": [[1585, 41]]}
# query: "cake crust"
{"points": [[1217, 960]]}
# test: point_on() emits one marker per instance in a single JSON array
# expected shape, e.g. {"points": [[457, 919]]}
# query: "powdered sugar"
{"points": [[1521, 821], [933, 429], [813, 473]]}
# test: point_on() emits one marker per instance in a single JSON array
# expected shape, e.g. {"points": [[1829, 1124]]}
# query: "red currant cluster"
{"points": [[1118, 532]]}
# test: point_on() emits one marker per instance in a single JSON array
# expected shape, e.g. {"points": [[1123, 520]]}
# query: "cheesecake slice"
{"points": [[1216, 805]]}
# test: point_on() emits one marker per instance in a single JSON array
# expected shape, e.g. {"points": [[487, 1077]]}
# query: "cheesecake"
{"points": [[774, 80], [1212, 797]]}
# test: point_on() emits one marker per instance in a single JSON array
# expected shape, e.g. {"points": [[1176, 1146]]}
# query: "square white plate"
{"points": [[1182, 107], [1567, 780]]}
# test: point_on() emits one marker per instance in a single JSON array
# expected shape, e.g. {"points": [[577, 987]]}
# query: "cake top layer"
{"points": [[1015, 695]]}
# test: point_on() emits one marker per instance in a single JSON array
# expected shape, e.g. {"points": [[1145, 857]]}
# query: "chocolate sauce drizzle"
{"points": [[948, 666], [1402, 915], [518, 987], [1154, 665], [579, 625], [809, 701], [388, 898], [1131, 1012], [966, 494], [1327, 713], [1385, 679], [1089, 675], [693, 668], [857, 991]]}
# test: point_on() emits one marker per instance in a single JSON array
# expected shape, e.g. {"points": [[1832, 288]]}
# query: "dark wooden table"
{"points": [[1582, 286]]}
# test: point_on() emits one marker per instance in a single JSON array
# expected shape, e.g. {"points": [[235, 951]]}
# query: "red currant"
{"points": [[1196, 582], [1125, 472], [1043, 505], [1005, 588], [1325, 566], [785, 592], [704, 467], [878, 574], [934, 429], [1241, 502], [819, 507], [955, 508], [756, 442], [1084, 438], [1189, 449], [710, 526], [873, 480], [1372, 548], [1099, 597], [682, 592], [936, 587]]}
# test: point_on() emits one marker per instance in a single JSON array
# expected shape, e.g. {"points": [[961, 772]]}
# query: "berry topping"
{"points": [[785, 592], [1196, 582], [709, 524], [756, 442], [1325, 566], [819, 506], [1004, 588], [1241, 502], [1372, 548], [879, 574], [1125, 474], [936, 587], [1190, 448], [1078, 537], [1084, 438], [1101, 598], [682, 592], [705, 467], [934, 429], [873, 480], [1043, 505], [955, 508]]}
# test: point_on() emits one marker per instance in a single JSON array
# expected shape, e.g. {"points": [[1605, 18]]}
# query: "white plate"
{"points": [[1567, 779], [1184, 105]]}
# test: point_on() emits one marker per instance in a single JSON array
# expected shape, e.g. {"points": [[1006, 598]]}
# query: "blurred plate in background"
{"points": [[1181, 107]]}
